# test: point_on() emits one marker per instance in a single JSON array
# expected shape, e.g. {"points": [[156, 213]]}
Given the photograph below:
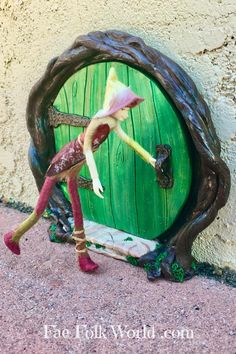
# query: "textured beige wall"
{"points": [[198, 34]]}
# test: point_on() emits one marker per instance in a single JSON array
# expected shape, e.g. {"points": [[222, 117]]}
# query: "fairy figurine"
{"points": [[67, 164]]}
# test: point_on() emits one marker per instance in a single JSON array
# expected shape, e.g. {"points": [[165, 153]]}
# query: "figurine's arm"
{"points": [[87, 149], [135, 146]]}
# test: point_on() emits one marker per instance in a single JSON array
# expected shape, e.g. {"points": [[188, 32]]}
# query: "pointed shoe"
{"points": [[12, 245], [86, 264]]}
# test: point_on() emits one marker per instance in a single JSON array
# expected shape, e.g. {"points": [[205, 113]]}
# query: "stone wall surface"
{"points": [[199, 35]]}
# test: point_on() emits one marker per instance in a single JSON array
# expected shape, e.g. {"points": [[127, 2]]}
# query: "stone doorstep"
{"points": [[114, 241]]}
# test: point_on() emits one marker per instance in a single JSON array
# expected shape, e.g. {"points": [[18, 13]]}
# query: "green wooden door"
{"points": [[133, 201]]}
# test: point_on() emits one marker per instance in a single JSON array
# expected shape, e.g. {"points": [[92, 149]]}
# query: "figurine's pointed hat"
{"points": [[117, 96]]}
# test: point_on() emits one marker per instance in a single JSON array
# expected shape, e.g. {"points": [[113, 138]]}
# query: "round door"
{"points": [[133, 200]]}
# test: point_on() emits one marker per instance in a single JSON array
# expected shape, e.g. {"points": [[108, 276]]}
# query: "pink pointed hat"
{"points": [[117, 96]]}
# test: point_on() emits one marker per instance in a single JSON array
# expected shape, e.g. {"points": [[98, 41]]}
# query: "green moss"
{"points": [[158, 245], [97, 245], [53, 238], [132, 260], [178, 272], [47, 213], [53, 227], [128, 239], [194, 265], [159, 259], [147, 267]]}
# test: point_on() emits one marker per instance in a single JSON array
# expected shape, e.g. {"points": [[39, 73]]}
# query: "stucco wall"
{"points": [[199, 35]]}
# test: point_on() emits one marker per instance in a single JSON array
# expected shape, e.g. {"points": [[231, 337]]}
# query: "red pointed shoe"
{"points": [[12, 245], [86, 264]]}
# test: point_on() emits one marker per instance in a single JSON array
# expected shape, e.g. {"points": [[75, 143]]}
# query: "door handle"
{"points": [[163, 166]]}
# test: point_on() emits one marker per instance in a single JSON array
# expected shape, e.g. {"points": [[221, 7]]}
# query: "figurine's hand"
{"points": [[153, 162], [97, 187]]}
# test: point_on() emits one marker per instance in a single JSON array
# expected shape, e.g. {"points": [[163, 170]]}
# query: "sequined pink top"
{"points": [[72, 153]]}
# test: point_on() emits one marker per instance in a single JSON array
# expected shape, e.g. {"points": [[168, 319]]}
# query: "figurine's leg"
{"points": [[85, 262], [13, 237]]}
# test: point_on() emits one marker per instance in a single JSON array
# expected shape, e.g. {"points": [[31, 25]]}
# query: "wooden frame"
{"points": [[211, 183]]}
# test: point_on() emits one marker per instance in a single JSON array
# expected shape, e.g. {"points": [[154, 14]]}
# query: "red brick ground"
{"points": [[44, 287]]}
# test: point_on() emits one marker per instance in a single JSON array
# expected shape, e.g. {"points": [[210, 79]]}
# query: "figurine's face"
{"points": [[122, 114]]}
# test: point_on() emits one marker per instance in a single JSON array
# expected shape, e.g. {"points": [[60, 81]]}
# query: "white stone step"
{"points": [[115, 242]]}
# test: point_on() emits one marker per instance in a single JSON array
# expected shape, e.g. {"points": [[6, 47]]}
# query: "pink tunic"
{"points": [[72, 153]]}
